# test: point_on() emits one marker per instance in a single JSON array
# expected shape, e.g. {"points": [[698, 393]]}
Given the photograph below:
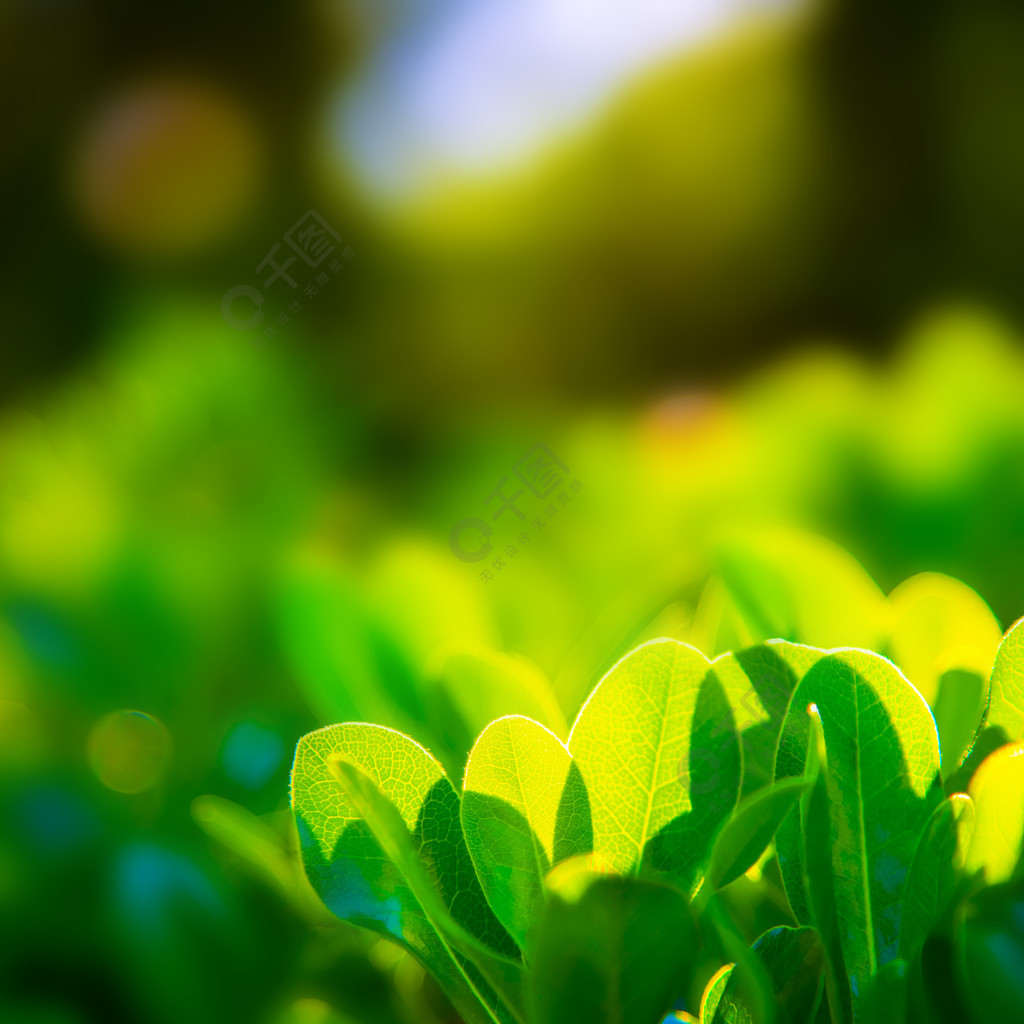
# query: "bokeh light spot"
{"points": [[167, 169], [251, 754], [129, 751]]}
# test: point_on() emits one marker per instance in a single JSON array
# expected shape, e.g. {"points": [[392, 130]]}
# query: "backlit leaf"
{"points": [[939, 623], [658, 752], [358, 880], [1006, 707], [934, 871], [997, 790], [881, 762], [524, 809]]}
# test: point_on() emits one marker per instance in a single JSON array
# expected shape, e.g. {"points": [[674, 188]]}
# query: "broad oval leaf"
{"points": [[935, 870], [354, 876], [1006, 705], [609, 950], [749, 830], [658, 752], [524, 809], [939, 623], [881, 766], [997, 790]]}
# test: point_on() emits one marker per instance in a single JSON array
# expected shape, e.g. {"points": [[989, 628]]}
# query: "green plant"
{"points": [[780, 834]]}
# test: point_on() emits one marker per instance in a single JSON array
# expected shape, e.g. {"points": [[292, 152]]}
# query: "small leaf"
{"points": [[358, 880], [792, 959], [959, 710], [1006, 707], [882, 762], [658, 752], [997, 790], [713, 993], [609, 950], [759, 682], [389, 830], [935, 870], [939, 623], [744, 837], [524, 809]]}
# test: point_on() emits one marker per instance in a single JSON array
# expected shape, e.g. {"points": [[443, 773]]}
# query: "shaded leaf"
{"points": [[959, 708], [792, 959], [935, 871], [524, 809], [759, 682], [358, 880], [881, 765], [749, 830], [610, 950], [657, 749]]}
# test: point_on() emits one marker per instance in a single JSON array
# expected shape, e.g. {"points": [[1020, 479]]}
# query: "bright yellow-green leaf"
{"points": [[611, 950], [759, 682], [882, 763], [934, 872], [1006, 708], [658, 751], [997, 790], [524, 809], [358, 880], [388, 828], [939, 623], [750, 828]]}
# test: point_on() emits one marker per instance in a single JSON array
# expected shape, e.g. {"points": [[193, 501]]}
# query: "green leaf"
{"points": [[472, 686], [959, 708], [939, 623], [1006, 706], [881, 765], [713, 993], [391, 833], [524, 809], [813, 859], [759, 682], [796, 586], [744, 837], [792, 959], [610, 950], [250, 838], [935, 871], [354, 875], [997, 790], [658, 751]]}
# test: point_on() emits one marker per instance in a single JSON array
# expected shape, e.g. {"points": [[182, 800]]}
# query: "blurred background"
{"points": [[351, 346]]}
